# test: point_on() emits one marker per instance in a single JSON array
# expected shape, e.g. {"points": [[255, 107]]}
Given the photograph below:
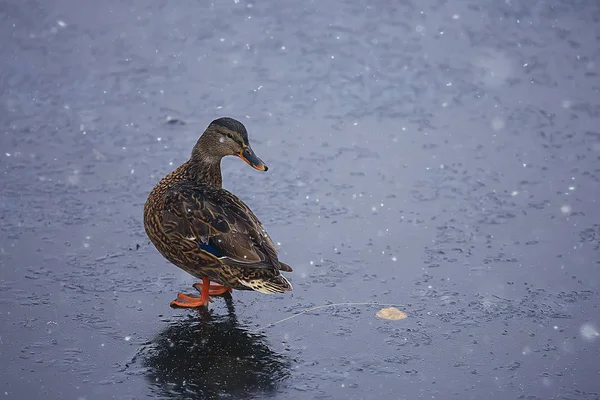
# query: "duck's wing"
{"points": [[221, 224]]}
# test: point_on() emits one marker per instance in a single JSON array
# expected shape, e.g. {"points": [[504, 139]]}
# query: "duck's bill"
{"points": [[248, 155]]}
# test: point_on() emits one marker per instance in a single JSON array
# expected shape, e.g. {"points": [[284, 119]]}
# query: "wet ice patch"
{"points": [[493, 68], [73, 178], [546, 381], [173, 121], [568, 347], [589, 332], [498, 123]]}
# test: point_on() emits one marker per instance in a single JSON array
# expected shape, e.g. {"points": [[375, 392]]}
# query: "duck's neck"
{"points": [[203, 168]]}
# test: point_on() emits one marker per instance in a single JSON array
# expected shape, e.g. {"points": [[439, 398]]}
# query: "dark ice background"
{"points": [[441, 156]]}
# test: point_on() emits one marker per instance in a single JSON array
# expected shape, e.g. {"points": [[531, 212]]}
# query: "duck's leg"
{"points": [[206, 290], [189, 301], [213, 289]]}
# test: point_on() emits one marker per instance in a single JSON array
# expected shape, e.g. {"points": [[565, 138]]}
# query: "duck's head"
{"points": [[226, 137]]}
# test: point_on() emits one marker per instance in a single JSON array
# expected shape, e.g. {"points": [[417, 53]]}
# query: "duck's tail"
{"points": [[284, 267], [267, 284]]}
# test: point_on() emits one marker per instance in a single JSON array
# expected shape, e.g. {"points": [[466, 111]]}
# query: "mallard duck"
{"points": [[208, 231]]}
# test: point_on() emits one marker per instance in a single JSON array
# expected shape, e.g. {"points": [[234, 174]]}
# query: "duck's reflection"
{"points": [[209, 356]]}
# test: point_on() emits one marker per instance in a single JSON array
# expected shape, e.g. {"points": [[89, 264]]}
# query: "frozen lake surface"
{"points": [[440, 156]]}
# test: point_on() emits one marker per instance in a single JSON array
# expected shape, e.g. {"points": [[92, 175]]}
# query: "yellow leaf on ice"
{"points": [[391, 313]]}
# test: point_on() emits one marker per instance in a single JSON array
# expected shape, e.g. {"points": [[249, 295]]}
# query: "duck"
{"points": [[208, 231]]}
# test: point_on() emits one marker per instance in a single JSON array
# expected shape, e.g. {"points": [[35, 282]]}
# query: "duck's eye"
{"points": [[225, 136]]}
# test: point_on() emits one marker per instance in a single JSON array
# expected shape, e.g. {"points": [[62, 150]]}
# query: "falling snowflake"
{"points": [[566, 209], [589, 332]]}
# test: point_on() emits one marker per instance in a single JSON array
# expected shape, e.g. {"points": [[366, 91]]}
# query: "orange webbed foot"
{"points": [[190, 301], [206, 290]]}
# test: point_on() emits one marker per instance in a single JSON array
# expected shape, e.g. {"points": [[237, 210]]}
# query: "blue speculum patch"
{"points": [[211, 249]]}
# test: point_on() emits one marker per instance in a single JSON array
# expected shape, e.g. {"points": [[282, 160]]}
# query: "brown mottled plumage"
{"points": [[206, 230]]}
